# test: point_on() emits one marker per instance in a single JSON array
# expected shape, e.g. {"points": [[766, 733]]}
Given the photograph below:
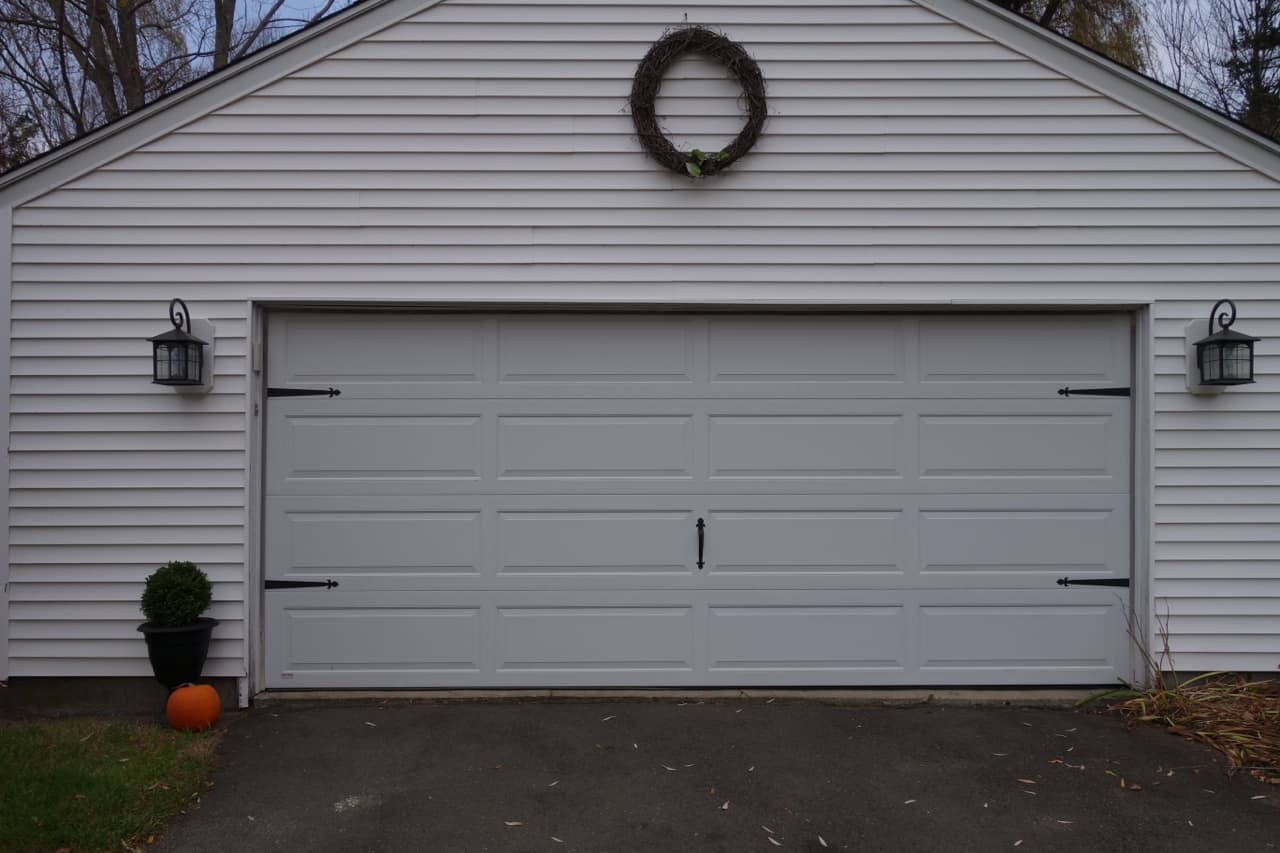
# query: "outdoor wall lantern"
{"points": [[1221, 358], [181, 359]]}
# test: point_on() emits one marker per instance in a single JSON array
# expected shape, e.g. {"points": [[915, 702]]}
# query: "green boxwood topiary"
{"points": [[176, 594]]}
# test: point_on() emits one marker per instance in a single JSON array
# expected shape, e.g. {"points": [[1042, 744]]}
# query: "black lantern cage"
{"points": [[178, 355], [1225, 357]]}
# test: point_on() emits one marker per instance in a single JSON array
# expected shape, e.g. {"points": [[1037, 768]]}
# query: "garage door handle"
{"points": [[702, 539]]}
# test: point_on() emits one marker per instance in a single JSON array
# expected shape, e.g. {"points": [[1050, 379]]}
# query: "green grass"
{"points": [[93, 785]]}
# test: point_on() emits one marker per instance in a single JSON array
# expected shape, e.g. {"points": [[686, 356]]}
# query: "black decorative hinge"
{"points": [[327, 584], [1094, 582], [303, 392], [1094, 392]]}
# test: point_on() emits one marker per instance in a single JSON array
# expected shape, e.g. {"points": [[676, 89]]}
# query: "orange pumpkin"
{"points": [[193, 707]]}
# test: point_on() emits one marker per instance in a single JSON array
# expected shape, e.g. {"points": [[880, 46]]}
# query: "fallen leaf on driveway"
{"points": [[1135, 787], [1259, 797], [725, 807], [1032, 793], [608, 718], [908, 802], [553, 784], [1018, 843], [1027, 781], [668, 767], [1000, 754], [775, 842], [766, 829], [1066, 821], [557, 840], [370, 725], [514, 822], [822, 841]]}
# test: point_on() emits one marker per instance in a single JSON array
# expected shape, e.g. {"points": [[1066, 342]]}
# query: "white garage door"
{"points": [[514, 500]]}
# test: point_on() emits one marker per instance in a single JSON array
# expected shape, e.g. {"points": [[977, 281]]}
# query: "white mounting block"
{"points": [[1195, 330]]}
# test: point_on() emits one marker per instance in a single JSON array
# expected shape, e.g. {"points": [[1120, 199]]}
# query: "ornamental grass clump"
{"points": [[1237, 716], [176, 594]]}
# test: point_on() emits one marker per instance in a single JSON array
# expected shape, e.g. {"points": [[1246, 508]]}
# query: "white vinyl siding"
{"points": [[482, 151]]}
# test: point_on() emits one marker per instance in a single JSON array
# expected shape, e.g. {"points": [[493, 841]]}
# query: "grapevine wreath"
{"points": [[648, 80]]}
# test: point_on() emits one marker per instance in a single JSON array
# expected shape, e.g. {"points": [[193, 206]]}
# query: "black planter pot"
{"points": [[177, 653]]}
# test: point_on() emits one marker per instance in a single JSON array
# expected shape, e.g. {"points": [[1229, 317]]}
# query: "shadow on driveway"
{"points": [[732, 776]]}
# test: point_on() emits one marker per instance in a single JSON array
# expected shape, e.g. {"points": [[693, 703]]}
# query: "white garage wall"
{"points": [[483, 151]]}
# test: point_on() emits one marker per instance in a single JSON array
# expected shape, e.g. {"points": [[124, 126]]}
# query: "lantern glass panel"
{"points": [[1237, 361], [164, 357], [1211, 363], [1226, 362], [178, 362]]}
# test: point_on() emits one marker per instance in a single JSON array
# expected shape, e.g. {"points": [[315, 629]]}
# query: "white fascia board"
{"points": [[203, 97], [1113, 80]]}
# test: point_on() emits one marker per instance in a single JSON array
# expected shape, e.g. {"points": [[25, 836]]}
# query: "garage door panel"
{"points": [[1075, 447], [806, 542], [1008, 542], [336, 446], [365, 639], [1015, 349], [801, 349], [855, 639], [595, 542], [623, 638], [806, 446], [311, 349], [559, 446], [383, 542], [729, 638], [1053, 640], [595, 349]]}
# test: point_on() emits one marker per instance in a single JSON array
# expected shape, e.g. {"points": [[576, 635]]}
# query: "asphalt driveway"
{"points": [[723, 776]]}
